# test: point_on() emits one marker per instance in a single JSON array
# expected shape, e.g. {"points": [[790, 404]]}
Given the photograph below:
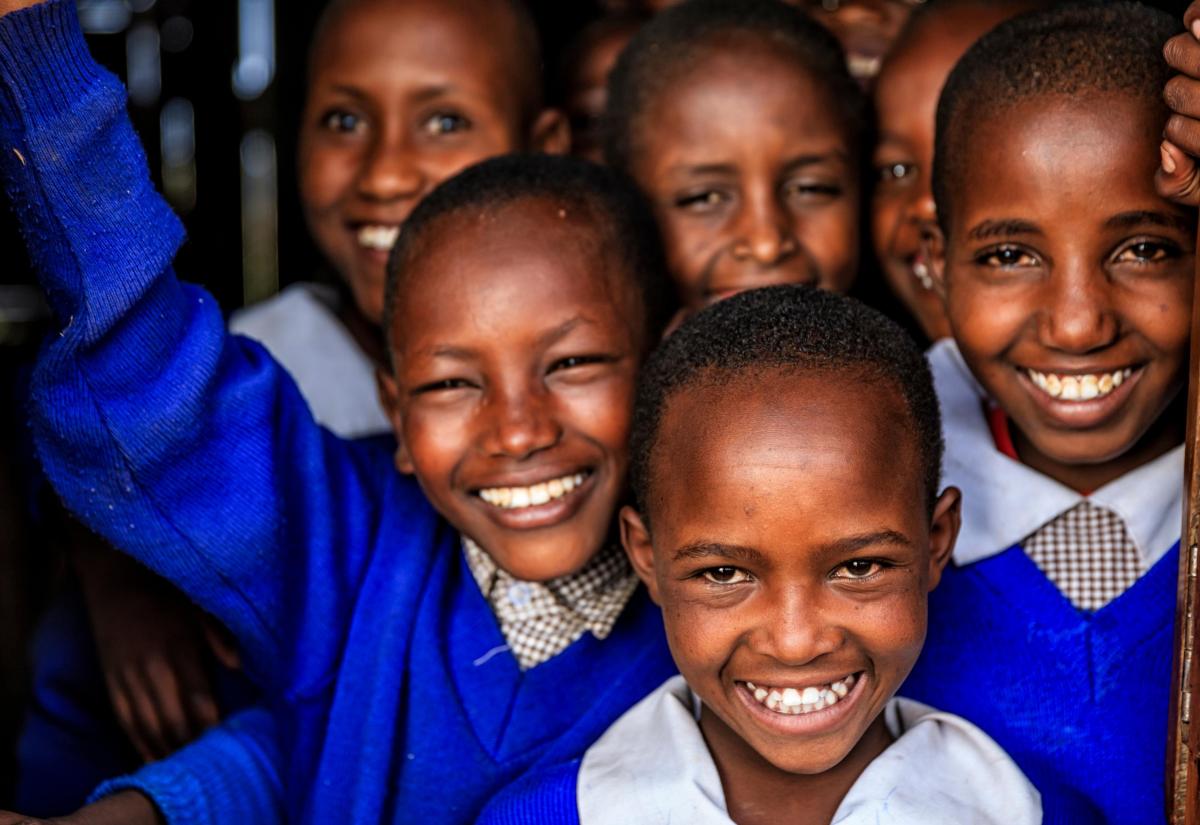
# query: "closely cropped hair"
{"points": [[616, 210], [680, 38], [790, 329], [1069, 51]]}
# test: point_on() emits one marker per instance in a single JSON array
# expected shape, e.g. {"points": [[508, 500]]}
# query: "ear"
{"points": [[943, 532], [933, 249], [550, 133], [389, 397], [636, 540]]}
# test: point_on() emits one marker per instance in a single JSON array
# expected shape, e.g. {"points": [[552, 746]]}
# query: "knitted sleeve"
{"points": [[547, 797], [228, 775], [186, 447]]}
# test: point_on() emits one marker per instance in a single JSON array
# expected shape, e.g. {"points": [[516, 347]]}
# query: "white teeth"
{"points": [[381, 238], [1078, 387], [509, 498], [861, 66], [792, 701]]}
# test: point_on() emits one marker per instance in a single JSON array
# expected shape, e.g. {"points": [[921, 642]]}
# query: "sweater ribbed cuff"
{"points": [[173, 790], [45, 65]]}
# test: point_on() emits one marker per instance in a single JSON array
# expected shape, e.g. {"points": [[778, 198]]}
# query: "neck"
{"points": [[365, 333], [758, 793], [1166, 434]]}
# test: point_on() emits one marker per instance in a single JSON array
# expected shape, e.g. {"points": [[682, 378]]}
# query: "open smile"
{"points": [[805, 709], [1080, 399], [541, 504]]}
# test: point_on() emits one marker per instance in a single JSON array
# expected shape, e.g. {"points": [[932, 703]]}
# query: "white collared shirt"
{"points": [[653, 766], [1004, 501]]}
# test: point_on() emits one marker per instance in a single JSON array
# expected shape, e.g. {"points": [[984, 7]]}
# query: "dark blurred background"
{"points": [[215, 92]]}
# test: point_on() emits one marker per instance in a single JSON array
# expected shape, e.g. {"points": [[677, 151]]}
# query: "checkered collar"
{"points": [[596, 594], [1004, 501]]}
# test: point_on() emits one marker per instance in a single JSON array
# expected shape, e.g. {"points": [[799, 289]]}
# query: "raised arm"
{"points": [[184, 446]]}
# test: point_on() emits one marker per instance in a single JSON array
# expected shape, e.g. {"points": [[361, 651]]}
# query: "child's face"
{"points": [[516, 344], [906, 97], [866, 29], [791, 548], [402, 94], [1068, 280], [587, 94], [751, 176]]}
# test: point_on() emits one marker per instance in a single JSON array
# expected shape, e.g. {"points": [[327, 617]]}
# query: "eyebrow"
{"points": [[1130, 220], [739, 552], [546, 339], [852, 544], [731, 169], [1004, 228]]}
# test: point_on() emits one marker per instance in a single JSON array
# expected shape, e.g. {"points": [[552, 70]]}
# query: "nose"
{"points": [[763, 233], [390, 170], [1078, 314], [795, 630], [520, 423]]}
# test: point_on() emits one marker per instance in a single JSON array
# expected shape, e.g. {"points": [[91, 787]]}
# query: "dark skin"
{"points": [[749, 169], [906, 96], [790, 544], [587, 89], [1062, 259], [866, 29], [1178, 176]]}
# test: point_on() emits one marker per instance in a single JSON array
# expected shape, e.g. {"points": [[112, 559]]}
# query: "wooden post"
{"points": [[1183, 778]]}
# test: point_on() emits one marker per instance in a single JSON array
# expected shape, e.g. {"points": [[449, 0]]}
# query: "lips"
{"points": [[544, 503], [784, 709], [1080, 400]]}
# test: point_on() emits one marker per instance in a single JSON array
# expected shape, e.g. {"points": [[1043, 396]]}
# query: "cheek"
{"points": [[689, 243], [985, 321], [885, 214], [602, 415], [327, 175], [895, 629], [437, 442], [700, 639], [831, 237]]}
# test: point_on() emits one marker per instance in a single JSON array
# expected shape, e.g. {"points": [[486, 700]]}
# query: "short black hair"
{"points": [[679, 39], [1069, 51], [790, 328], [613, 205]]}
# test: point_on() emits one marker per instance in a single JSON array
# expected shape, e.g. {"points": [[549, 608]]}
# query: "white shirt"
{"points": [[1004, 500], [652, 766], [301, 330]]}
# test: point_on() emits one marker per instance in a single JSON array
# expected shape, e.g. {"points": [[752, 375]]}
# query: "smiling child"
{"points": [[906, 96], [739, 122], [387, 617], [1068, 288], [791, 535]]}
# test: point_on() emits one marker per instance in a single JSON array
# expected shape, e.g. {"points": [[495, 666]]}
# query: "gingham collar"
{"points": [[1004, 501]]}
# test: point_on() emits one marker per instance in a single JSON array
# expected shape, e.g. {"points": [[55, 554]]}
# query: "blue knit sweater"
{"points": [[192, 450], [1078, 700]]}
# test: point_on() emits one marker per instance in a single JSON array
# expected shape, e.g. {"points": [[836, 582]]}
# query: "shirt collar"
{"points": [[1004, 501]]}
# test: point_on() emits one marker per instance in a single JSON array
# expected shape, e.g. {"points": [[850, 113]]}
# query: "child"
{"points": [[739, 122], [867, 29], [413, 647], [906, 96], [1068, 287], [587, 63], [791, 535], [386, 118]]}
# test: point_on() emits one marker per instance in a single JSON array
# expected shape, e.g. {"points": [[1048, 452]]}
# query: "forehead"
{"points": [[420, 43], [1075, 162], [742, 96], [814, 452], [526, 266]]}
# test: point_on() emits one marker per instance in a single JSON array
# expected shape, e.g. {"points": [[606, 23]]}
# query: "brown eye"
{"points": [[343, 122], [726, 575], [856, 569]]}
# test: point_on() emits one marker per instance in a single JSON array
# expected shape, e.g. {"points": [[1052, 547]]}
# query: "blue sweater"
{"points": [[1078, 700], [192, 450]]}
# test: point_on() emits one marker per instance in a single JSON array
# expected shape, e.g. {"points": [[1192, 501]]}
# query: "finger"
{"points": [[146, 715], [196, 689], [1182, 95], [166, 693], [1177, 178], [223, 645], [1182, 53], [123, 708], [1191, 17]]}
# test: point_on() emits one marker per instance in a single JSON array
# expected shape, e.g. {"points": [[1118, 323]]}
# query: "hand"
{"points": [[124, 808], [7, 6], [151, 642], [1178, 177]]}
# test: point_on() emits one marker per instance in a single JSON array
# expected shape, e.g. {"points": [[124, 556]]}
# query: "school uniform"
{"points": [[396, 695], [653, 766], [1052, 628]]}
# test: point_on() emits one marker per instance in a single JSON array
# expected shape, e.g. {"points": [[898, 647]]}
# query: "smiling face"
{"points": [[906, 97], [750, 172], [403, 94], [1068, 282], [516, 343], [792, 551]]}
